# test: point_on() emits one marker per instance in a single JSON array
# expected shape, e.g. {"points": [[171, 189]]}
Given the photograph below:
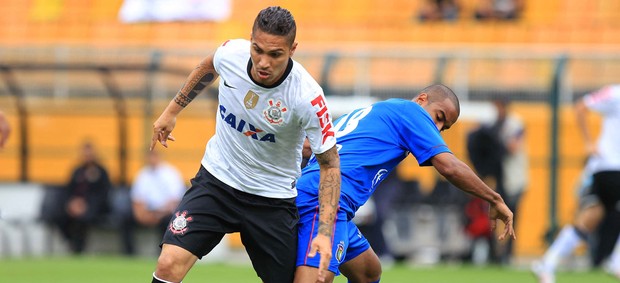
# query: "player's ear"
{"points": [[422, 98], [293, 48]]}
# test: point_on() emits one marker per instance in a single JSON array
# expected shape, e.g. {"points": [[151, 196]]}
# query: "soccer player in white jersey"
{"points": [[268, 104], [372, 141], [604, 165]]}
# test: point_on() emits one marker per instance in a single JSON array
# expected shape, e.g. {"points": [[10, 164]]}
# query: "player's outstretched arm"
{"points": [[581, 115], [202, 76], [464, 178], [329, 196]]}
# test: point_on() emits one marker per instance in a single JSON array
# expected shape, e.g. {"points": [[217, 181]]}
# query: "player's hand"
{"points": [[503, 213], [162, 129], [323, 245]]}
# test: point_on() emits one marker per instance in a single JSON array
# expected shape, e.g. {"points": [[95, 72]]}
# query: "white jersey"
{"points": [[260, 130], [607, 102]]}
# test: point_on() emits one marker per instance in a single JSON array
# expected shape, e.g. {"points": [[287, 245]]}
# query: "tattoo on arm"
{"points": [[182, 99], [200, 78], [329, 190], [328, 206]]}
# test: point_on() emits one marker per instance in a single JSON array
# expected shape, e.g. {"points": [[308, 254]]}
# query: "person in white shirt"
{"points": [[268, 105], [514, 165], [603, 167], [156, 192]]}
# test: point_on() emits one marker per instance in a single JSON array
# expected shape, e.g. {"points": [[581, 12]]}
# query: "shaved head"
{"points": [[439, 92], [441, 104]]}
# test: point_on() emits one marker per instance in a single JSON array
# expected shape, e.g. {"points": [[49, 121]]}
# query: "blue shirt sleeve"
{"points": [[419, 134]]}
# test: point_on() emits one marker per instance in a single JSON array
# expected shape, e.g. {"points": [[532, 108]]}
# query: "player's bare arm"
{"points": [[329, 190], [581, 114], [464, 178], [329, 196], [202, 76]]}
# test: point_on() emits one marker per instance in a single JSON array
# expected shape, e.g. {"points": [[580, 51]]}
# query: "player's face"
{"points": [[444, 113], [270, 55]]}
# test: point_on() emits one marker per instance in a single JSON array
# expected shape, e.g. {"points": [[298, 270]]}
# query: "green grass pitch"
{"points": [[120, 270]]}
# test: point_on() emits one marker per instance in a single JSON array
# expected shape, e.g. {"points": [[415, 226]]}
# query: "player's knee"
{"points": [[373, 273], [168, 269], [370, 275], [365, 279], [374, 276]]}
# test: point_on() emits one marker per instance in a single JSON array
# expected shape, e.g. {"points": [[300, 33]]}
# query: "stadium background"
{"points": [[70, 71]]}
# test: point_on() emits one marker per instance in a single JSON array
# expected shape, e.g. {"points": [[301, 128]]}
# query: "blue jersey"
{"points": [[371, 142]]}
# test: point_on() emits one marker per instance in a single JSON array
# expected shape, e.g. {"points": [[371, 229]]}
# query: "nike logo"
{"points": [[229, 86], [249, 133]]}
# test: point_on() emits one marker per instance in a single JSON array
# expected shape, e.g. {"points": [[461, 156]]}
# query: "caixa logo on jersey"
{"points": [[244, 127]]}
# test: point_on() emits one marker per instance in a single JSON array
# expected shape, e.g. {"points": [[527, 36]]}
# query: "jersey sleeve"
{"points": [[419, 134], [225, 49], [605, 100], [316, 121]]}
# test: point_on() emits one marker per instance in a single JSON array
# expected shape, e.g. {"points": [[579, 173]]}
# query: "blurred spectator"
{"points": [[499, 156], [485, 151], [439, 10], [156, 192], [498, 9], [478, 229], [515, 166], [86, 200], [5, 129]]}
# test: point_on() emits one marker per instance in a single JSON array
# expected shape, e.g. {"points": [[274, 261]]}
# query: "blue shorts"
{"points": [[348, 242]]}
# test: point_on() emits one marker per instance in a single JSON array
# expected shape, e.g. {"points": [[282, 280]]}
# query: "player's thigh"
{"points": [[310, 274], [589, 217], [365, 267], [606, 185], [206, 213], [269, 234], [308, 229]]}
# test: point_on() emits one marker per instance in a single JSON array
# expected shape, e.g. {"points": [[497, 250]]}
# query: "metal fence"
{"points": [[120, 92]]}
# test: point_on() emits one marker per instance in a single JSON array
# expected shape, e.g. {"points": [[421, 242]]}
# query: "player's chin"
{"points": [[267, 81]]}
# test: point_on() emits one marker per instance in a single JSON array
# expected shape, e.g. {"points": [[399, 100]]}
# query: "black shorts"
{"points": [[606, 185], [267, 226]]}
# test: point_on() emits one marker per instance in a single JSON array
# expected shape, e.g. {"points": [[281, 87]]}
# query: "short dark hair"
{"points": [[276, 20], [440, 92]]}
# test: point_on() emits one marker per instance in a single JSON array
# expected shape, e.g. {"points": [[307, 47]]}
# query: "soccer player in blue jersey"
{"points": [[371, 141]]}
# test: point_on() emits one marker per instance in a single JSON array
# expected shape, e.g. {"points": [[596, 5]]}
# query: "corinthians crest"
{"points": [[250, 99], [273, 113], [179, 224]]}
